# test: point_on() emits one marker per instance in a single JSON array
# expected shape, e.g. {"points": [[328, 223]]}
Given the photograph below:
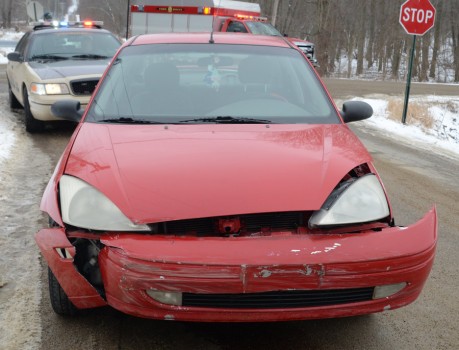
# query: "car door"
{"points": [[15, 70]]}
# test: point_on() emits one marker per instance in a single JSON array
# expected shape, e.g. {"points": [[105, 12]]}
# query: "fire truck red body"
{"points": [[218, 15]]}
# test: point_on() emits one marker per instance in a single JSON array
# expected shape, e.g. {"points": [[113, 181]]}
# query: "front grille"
{"points": [[283, 299], [83, 87], [250, 223]]}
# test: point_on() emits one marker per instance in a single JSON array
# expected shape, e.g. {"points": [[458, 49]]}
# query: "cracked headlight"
{"points": [[84, 206], [49, 89], [358, 201]]}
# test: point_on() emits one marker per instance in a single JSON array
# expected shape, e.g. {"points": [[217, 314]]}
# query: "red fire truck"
{"points": [[218, 15]]}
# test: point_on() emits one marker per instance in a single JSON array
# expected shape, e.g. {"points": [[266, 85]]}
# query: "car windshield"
{"points": [[262, 28], [211, 83], [72, 44]]}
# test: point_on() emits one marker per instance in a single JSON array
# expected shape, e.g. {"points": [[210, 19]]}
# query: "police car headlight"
{"points": [[49, 89], [84, 206], [357, 201]]}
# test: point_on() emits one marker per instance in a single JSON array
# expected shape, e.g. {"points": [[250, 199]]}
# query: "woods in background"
{"points": [[353, 38], [369, 33]]}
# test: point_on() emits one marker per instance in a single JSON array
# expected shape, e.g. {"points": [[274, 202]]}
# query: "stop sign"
{"points": [[417, 16]]}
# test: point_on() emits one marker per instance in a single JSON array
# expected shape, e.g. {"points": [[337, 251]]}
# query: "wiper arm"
{"points": [[228, 120], [48, 57], [128, 120], [90, 56]]}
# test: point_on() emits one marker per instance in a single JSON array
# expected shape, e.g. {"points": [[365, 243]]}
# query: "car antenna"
{"points": [[211, 40]]}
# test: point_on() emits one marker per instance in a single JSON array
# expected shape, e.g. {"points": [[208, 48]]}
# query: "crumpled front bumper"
{"points": [[132, 263]]}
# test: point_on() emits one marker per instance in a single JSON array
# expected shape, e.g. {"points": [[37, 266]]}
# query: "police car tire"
{"points": [[32, 125], [60, 302]]}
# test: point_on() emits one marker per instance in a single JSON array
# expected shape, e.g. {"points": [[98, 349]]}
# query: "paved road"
{"points": [[414, 177]]}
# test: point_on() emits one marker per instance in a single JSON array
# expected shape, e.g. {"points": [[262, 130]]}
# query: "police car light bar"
{"points": [[64, 24]]}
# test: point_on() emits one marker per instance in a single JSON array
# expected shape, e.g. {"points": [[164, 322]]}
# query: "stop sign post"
{"points": [[416, 17]]}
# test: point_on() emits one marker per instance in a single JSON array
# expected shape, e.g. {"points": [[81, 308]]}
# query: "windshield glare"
{"points": [[67, 44], [172, 83]]}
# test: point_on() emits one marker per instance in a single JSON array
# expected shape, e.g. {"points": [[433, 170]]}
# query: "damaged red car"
{"points": [[211, 178]]}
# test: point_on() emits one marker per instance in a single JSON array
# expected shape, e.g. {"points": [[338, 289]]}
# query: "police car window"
{"points": [[68, 44], [22, 44], [178, 82]]}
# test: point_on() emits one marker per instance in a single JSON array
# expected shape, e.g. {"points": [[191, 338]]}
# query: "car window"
{"points": [[20, 47], [262, 28], [180, 82], [236, 27], [72, 43]]}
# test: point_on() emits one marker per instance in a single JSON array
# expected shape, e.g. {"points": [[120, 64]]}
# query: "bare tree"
{"points": [[361, 35], [455, 38], [371, 33], [6, 13]]}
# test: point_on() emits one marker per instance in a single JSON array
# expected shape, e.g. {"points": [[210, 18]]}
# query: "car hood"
{"points": [[157, 173], [68, 68]]}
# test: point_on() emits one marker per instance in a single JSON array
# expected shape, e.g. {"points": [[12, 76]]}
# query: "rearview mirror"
{"points": [[356, 110], [68, 110]]}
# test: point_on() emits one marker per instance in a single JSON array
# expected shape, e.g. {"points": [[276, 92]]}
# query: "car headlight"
{"points": [[358, 201], [84, 206], [49, 89]]}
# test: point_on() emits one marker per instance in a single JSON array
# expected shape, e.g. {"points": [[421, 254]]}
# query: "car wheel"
{"points": [[32, 125], [13, 101], [59, 300]]}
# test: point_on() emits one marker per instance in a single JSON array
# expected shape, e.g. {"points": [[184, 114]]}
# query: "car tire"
{"points": [[32, 125], [59, 300], [13, 101]]}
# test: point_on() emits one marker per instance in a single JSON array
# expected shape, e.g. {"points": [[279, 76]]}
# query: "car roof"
{"points": [[202, 38]]}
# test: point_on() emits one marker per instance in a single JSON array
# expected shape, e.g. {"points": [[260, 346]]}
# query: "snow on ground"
{"points": [[442, 137], [3, 59], [6, 36], [7, 139], [6, 126]]}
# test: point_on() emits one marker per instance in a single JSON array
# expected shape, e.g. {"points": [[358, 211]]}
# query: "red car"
{"points": [[260, 26], [211, 178]]}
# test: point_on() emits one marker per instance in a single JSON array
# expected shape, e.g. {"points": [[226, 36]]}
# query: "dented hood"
{"points": [[158, 173]]}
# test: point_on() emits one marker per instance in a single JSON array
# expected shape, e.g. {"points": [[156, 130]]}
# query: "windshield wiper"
{"points": [[47, 57], [128, 120], [97, 57], [228, 120]]}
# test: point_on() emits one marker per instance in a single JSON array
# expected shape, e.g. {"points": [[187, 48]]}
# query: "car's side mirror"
{"points": [[68, 110], [356, 110], [15, 57]]}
